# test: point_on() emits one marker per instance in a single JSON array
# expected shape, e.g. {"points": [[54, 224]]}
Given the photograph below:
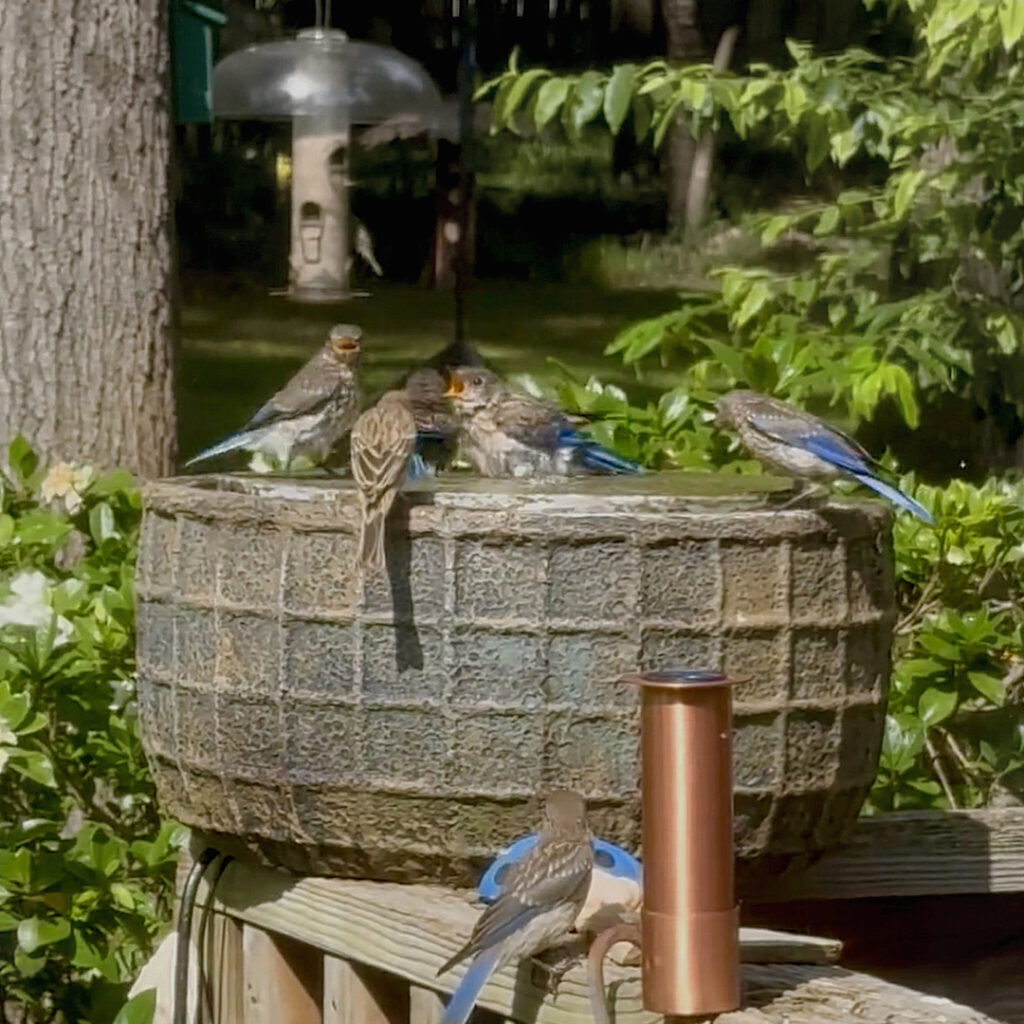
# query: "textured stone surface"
{"points": [[403, 730]]}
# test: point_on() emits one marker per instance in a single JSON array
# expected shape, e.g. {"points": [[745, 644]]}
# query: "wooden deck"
{"points": [[329, 951]]}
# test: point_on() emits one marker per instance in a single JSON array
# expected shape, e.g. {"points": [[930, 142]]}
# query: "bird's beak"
{"points": [[455, 388]]}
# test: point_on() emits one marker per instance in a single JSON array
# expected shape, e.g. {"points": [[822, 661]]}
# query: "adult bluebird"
{"points": [[804, 446], [508, 434], [311, 413], [539, 902], [383, 441]]}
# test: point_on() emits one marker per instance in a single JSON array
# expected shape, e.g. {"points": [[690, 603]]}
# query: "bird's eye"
{"points": [[478, 381]]}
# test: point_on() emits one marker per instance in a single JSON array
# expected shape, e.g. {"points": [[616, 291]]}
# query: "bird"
{"points": [[508, 434], [311, 413], [383, 441], [539, 902], [436, 426], [804, 446]]}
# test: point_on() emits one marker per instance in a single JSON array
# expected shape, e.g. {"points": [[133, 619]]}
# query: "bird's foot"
{"points": [[553, 965]]}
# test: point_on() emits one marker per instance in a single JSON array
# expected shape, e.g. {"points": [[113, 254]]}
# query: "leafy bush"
{"points": [[86, 866], [904, 286], [955, 731], [896, 282]]}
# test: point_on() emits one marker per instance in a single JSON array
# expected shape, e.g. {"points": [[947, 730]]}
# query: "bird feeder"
{"points": [[325, 84]]}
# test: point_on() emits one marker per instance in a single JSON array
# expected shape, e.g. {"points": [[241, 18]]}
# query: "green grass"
{"points": [[238, 348]]}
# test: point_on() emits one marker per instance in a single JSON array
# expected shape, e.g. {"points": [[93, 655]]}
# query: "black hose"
{"points": [[184, 932]]}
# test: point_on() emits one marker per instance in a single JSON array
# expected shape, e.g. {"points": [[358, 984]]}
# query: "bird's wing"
{"points": [[383, 440], [309, 389], [549, 875], [531, 421], [793, 426]]}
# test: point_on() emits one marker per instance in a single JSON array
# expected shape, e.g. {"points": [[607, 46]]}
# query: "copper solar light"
{"points": [[689, 921]]}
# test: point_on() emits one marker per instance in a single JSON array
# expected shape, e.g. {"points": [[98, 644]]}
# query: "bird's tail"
{"points": [[231, 443], [371, 538], [896, 496], [463, 999], [600, 460]]}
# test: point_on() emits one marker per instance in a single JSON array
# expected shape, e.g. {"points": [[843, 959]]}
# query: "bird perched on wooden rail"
{"points": [[383, 441], [508, 434], [539, 902], [804, 446], [311, 413]]}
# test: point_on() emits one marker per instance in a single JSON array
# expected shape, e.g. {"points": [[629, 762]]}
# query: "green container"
{"points": [[193, 25]]}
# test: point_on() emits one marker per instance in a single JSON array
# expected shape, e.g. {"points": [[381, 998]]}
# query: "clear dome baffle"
{"points": [[322, 71]]}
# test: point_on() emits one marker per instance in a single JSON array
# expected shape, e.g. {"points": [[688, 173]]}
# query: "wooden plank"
{"points": [[352, 997], [409, 931], [425, 1005], [223, 982], [282, 979], [915, 853]]}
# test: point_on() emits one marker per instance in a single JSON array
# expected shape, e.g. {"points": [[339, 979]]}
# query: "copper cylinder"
{"points": [[689, 920]]}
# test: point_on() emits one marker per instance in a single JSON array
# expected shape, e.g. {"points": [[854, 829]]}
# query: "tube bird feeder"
{"points": [[325, 84], [689, 921]]}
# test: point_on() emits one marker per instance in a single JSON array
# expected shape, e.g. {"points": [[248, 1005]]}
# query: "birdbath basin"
{"points": [[403, 729]]}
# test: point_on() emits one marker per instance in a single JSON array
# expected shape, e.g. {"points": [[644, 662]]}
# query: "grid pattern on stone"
{"points": [[281, 701]]}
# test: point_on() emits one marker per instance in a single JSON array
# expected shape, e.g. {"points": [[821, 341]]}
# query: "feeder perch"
{"points": [[325, 84]]}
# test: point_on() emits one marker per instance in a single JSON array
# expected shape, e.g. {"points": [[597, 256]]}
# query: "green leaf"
{"points": [[909, 183], [140, 1009], [827, 222], [990, 687], [35, 932], [618, 95], [588, 95], [6, 530], [936, 705], [550, 97], [35, 766], [21, 458], [517, 94], [1011, 21], [758, 295], [101, 523]]}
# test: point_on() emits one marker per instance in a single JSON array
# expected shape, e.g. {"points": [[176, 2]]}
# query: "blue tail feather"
{"points": [[895, 495], [227, 444], [596, 457], [463, 999]]}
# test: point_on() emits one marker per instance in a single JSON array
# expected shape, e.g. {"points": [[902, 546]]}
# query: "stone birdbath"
{"points": [[401, 728]]}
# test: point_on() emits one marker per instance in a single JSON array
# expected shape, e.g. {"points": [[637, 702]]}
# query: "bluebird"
{"points": [[311, 413], [383, 441], [616, 885], [436, 427], [506, 434], [804, 446], [540, 899]]}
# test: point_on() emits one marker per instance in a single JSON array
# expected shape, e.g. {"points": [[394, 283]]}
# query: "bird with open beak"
{"points": [[508, 434], [311, 413]]}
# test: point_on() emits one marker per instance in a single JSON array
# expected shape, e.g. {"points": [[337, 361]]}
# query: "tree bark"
{"points": [[683, 44], [86, 254]]}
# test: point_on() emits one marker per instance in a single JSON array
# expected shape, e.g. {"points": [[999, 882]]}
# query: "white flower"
{"points": [[29, 605], [66, 480]]}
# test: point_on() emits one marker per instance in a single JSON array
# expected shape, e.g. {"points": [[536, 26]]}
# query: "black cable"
{"points": [[205, 1003], [184, 932]]}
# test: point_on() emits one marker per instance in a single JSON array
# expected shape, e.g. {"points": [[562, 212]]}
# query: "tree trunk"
{"points": [[86, 326], [683, 44]]}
